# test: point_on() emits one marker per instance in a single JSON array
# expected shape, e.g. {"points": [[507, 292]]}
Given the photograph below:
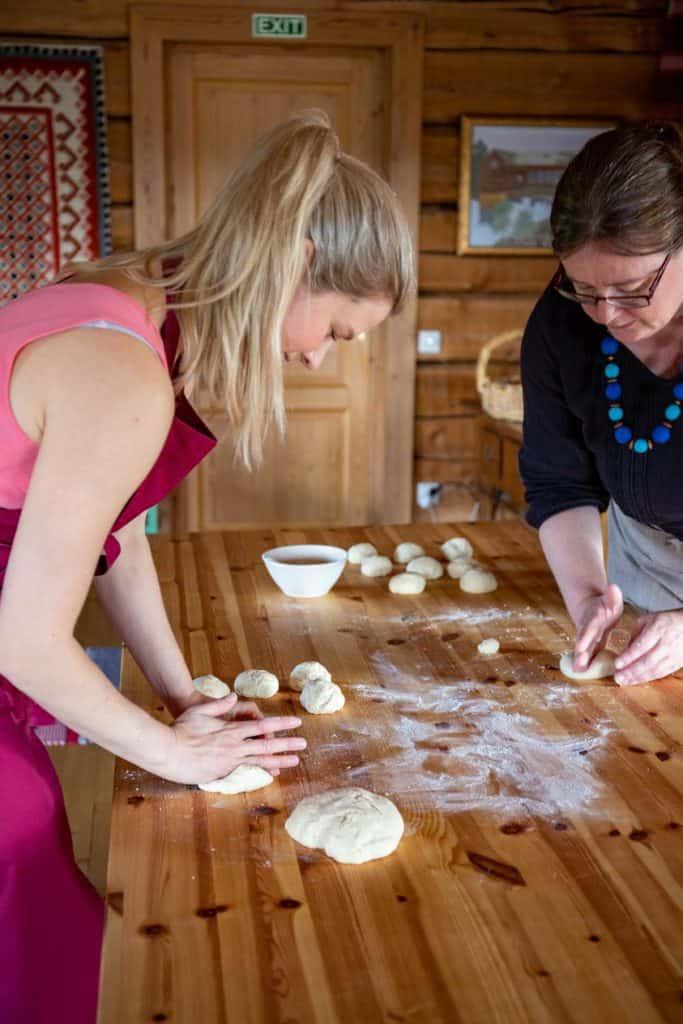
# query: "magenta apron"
{"points": [[51, 917]]}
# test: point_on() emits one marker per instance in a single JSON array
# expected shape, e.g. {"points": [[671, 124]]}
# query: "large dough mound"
{"points": [[600, 667], [242, 779], [351, 825], [256, 682], [322, 697], [305, 671]]}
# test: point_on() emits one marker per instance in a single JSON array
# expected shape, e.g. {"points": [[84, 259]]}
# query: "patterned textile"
{"points": [[54, 189]]}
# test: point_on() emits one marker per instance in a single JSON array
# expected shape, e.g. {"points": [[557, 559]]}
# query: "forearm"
{"points": [[131, 596], [572, 544], [62, 679]]}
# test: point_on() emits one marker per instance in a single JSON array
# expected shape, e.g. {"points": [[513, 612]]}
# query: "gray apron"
{"points": [[645, 562]]}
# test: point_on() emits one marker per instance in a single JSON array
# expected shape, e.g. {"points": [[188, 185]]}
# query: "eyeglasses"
{"points": [[563, 285]]}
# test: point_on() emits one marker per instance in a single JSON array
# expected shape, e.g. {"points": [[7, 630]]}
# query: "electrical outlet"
{"points": [[428, 343]]}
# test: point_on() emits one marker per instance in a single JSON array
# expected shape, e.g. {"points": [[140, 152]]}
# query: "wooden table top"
{"points": [[540, 875]]}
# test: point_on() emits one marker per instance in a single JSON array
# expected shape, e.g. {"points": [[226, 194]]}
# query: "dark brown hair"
{"points": [[624, 189]]}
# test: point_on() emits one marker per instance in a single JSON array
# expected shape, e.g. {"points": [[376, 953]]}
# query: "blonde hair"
{"points": [[240, 266]]}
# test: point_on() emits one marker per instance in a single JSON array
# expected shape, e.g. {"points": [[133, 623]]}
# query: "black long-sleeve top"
{"points": [[570, 457]]}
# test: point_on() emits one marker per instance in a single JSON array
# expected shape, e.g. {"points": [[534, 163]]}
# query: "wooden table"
{"points": [[540, 875]]}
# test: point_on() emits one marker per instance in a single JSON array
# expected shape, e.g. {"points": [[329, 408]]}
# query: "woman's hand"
{"points": [[594, 617], [205, 747], [655, 650]]}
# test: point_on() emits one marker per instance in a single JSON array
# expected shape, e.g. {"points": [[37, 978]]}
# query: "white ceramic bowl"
{"points": [[305, 570]]}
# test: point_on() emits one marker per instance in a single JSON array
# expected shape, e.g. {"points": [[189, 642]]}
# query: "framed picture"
{"points": [[508, 174]]}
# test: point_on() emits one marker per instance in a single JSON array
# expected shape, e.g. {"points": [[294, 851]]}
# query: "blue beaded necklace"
{"points": [[613, 390]]}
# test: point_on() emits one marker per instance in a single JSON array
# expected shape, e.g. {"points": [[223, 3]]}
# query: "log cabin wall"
{"points": [[592, 59]]}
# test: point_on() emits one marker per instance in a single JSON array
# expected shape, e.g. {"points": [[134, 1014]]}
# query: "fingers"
{"points": [[645, 637], [264, 726], [614, 601], [274, 764], [272, 745], [652, 665], [219, 706], [246, 709]]}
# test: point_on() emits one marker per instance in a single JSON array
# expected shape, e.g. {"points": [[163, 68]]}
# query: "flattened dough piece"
{"points": [[305, 671], [322, 697], [256, 682], [457, 547], [600, 667], [405, 552], [478, 581], [426, 566], [407, 583], [211, 686], [358, 552], [351, 825], [488, 646], [377, 565], [242, 779]]}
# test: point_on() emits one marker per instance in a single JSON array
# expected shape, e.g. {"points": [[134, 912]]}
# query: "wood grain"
{"points": [[542, 913]]}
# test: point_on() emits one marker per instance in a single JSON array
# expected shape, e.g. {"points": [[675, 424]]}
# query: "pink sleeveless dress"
{"points": [[51, 918]]}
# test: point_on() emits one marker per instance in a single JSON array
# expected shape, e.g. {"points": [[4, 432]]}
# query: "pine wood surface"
{"points": [[481, 915]]}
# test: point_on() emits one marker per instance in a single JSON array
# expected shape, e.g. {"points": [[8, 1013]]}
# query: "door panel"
{"points": [[347, 453]]}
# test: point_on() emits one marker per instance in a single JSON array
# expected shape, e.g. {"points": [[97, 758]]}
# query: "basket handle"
{"points": [[485, 353]]}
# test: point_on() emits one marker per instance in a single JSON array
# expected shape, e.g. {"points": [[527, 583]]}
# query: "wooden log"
{"points": [[442, 272], [590, 85], [467, 322], [446, 471], [446, 437], [446, 390], [439, 164], [122, 228], [120, 160], [438, 229]]}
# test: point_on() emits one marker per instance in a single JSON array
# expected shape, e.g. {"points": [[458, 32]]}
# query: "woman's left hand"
{"points": [[655, 650]]}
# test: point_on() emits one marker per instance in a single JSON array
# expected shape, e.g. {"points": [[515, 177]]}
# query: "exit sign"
{"points": [[278, 26]]}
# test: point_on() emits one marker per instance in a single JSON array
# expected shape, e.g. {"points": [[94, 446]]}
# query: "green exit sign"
{"points": [[278, 26]]}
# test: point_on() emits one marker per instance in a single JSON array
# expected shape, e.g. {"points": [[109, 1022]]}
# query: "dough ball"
{"points": [[407, 583], [457, 547], [359, 552], [242, 779], [406, 552], [459, 566], [426, 566], [600, 667], [351, 825], [376, 565], [488, 646], [478, 581], [256, 682], [305, 671], [322, 697], [211, 686]]}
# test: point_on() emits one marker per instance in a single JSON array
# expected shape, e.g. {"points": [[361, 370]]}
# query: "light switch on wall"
{"points": [[428, 343]]}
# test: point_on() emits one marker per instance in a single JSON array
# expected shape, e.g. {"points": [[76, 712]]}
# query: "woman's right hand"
{"points": [[593, 618], [204, 746]]}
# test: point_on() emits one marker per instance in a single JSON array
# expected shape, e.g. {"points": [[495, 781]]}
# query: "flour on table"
{"points": [[488, 646], [351, 825]]}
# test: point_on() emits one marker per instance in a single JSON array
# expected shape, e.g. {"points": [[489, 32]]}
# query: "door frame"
{"points": [[400, 38]]}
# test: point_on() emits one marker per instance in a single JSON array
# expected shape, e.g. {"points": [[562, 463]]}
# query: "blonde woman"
{"points": [[304, 247]]}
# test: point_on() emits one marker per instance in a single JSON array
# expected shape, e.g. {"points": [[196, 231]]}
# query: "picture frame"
{"points": [[509, 169]]}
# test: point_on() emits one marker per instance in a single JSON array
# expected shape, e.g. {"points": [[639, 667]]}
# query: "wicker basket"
{"points": [[501, 399]]}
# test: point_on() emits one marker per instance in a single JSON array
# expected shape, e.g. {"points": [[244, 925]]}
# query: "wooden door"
{"points": [[347, 456]]}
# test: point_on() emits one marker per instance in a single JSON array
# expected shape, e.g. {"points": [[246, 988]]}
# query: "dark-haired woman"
{"points": [[602, 370]]}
